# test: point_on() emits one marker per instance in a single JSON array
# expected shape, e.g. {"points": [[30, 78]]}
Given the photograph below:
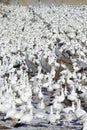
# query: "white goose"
{"points": [[57, 105], [39, 75], [85, 125], [4, 107], [61, 97], [73, 95], [58, 115], [29, 104], [11, 112], [41, 105], [19, 113], [39, 115], [52, 116], [49, 83], [65, 91], [36, 89], [79, 111], [69, 108], [27, 117], [13, 78], [40, 95]]}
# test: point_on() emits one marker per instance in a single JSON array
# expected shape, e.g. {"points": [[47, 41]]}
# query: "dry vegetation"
{"points": [[27, 2], [5, 1], [23, 2]]}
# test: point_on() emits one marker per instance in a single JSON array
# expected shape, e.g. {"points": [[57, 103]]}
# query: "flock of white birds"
{"points": [[43, 64]]}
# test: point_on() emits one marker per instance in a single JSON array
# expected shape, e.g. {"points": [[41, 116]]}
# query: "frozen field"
{"points": [[43, 67]]}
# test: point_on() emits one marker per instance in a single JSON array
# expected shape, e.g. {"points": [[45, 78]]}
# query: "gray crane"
{"points": [[45, 66], [31, 66], [64, 55], [58, 53]]}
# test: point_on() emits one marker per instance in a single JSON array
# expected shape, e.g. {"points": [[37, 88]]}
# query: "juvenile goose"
{"points": [[45, 66]]}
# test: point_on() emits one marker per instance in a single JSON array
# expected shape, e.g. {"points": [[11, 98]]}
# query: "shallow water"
{"points": [[27, 2]]}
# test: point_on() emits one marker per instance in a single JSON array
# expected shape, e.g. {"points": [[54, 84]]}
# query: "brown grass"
{"points": [[5, 1]]}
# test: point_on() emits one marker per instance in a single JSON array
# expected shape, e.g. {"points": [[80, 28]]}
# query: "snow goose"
{"points": [[52, 116], [85, 125], [11, 112], [18, 101], [69, 81], [56, 86], [61, 97], [39, 115], [57, 105], [36, 88], [13, 79], [58, 115], [41, 105], [39, 74], [79, 111], [40, 95], [19, 114], [24, 97], [68, 117], [4, 107], [69, 108], [27, 117], [49, 84], [61, 80], [29, 104], [65, 91], [84, 77], [73, 95]]}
